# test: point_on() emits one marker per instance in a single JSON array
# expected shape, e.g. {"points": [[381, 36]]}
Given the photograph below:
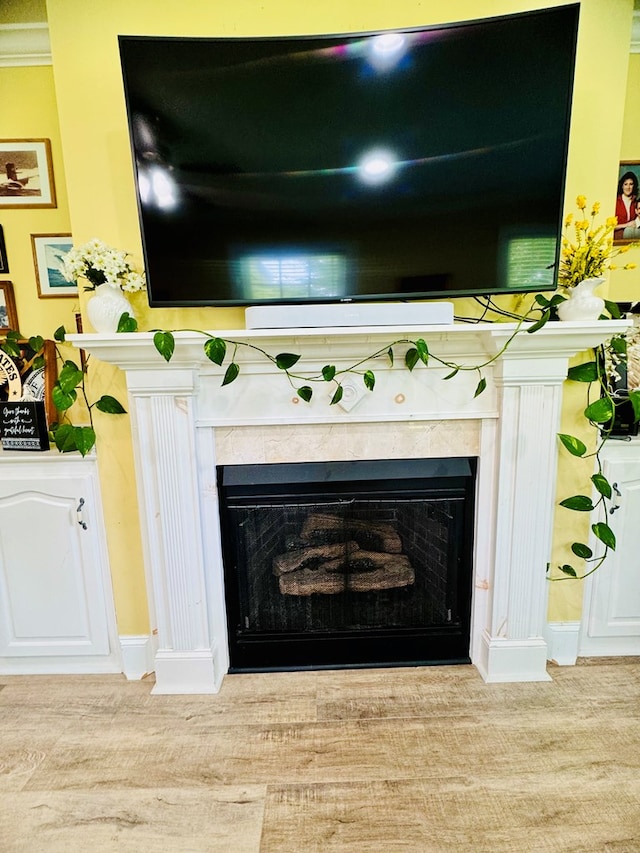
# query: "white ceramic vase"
{"points": [[105, 308], [582, 303]]}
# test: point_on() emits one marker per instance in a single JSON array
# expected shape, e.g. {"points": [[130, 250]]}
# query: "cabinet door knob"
{"points": [[81, 521], [616, 505]]}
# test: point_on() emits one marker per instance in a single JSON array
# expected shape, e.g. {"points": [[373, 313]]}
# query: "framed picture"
{"points": [[4, 263], [627, 197], [26, 173], [48, 253], [8, 315]]}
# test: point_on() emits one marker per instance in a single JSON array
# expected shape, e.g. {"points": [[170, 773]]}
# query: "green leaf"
{"points": [[541, 322], [556, 300], [60, 334], [587, 372], [36, 343], [542, 300], [390, 356], [70, 376], [411, 358], [573, 444], [605, 534], [369, 379], [568, 570], [165, 343], [215, 350], [480, 387], [423, 351], [64, 438], [38, 362], [286, 360], [600, 412], [110, 405], [634, 396], [13, 335], [328, 372], [613, 309], [602, 485], [11, 348], [231, 373], [451, 375], [580, 503], [581, 550], [85, 438], [337, 396], [618, 345], [127, 323], [63, 400], [305, 392]]}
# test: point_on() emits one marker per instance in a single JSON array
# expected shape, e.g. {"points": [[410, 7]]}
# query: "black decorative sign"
{"points": [[23, 425]]}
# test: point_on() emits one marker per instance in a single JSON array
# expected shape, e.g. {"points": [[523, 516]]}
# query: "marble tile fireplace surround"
{"points": [[184, 424]]}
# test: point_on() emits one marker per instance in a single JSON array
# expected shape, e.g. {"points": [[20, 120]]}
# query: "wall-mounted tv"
{"points": [[405, 164]]}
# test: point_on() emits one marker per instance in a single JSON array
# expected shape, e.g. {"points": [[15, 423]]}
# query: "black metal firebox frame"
{"points": [[450, 479]]}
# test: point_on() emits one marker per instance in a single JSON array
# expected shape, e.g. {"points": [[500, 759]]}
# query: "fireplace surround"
{"points": [[184, 424]]}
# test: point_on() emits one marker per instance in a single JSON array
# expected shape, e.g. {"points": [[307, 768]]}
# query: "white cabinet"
{"points": [[611, 615], [56, 603]]}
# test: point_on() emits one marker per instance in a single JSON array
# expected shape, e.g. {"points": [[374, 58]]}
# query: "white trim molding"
{"points": [[138, 653], [562, 642], [24, 44]]}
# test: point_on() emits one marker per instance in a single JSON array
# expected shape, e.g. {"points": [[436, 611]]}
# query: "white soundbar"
{"points": [[349, 314]]}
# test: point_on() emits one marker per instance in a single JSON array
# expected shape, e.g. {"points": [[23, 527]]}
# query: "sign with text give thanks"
{"points": [[23, 425]]}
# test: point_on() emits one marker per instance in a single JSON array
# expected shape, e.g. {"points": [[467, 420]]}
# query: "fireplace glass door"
{"points": [[347, 564]]}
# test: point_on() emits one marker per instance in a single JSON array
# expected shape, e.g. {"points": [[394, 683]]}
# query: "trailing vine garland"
{"points": [[600, 413]]}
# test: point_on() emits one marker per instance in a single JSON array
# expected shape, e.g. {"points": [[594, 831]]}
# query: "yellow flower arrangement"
{"points": [[589, 254]]}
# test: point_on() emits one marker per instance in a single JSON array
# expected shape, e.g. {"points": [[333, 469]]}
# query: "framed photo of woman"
{"points": [[627, 198]]}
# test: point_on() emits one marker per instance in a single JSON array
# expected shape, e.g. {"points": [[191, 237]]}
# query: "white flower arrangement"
{"points": [[100, 264]]}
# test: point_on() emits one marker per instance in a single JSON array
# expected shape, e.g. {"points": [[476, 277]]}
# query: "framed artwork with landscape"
{"points": [[26, 173], [48, 253], [627, 202], [8, 315]]}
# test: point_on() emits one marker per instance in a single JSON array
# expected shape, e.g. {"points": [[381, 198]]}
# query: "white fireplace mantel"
{"points": [[181, 414]]}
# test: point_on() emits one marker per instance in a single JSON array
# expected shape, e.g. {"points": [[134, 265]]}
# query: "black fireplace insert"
{"points": [[348, 564]]}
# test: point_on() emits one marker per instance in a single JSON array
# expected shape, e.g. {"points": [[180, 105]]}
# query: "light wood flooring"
{"points": [[362, 761]]}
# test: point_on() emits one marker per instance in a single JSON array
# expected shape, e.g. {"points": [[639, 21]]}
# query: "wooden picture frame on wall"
{"points": [[35, 375], [4, 262], [48, 251], [26, 173], [8, 313], [628, 228]]}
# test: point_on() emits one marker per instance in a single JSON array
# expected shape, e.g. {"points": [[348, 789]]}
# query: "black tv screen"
{"points": [[396, 165]]}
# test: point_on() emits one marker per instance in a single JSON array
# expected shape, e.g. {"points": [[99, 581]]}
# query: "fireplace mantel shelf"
{"points": [[182, 418]]}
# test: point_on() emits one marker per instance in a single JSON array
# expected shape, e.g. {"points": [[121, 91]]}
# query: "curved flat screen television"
{"points": [[396, 165]]}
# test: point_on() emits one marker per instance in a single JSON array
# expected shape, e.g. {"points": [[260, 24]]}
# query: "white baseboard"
{"points": [[562, 642], [503, 660], [138, 652]]}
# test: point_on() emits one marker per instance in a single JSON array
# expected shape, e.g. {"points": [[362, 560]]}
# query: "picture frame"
{"points": [[48, 250], [8, 313], [4, 263], [38, 376], [629, 173], [26, 173]]}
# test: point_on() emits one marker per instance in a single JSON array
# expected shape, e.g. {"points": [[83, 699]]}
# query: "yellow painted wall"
{"points": [[101, 192]]}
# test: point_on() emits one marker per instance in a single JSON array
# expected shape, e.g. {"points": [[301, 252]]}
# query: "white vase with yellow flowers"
{"points": [[584, 260]]}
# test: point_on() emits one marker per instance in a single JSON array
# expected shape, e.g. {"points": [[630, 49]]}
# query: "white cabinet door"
{"points": [[611, 617], [52, 595]]}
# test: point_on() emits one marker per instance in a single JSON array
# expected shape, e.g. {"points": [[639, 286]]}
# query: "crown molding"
{"points": [[24, 44]]}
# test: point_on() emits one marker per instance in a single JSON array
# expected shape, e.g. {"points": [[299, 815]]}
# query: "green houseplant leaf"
{"points": [[423, 351], [285, 360], [70, 376], [581, 550], [411, 358], [110, 405], [573, 444], [328, 372], [568, 570], [369, 379], [337, 396], [602, 485], [215, 350], [165, 343], [63, 400], [306, 392], [480, 387], [587, 372], [127, 323], [600, 411], [580, 503], [231, 373], [85, 438], [605, 534]]}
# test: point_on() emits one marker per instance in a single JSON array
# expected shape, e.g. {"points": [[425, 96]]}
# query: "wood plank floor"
{"points": [[417, 760]]}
